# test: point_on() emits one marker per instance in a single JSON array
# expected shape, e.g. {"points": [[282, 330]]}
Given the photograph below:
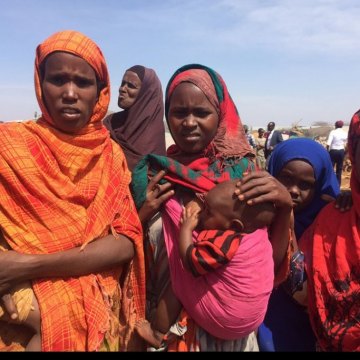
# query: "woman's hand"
{"points": [[9, 306], [10, 275], [259, 186], [344, 201], [156, 195]]}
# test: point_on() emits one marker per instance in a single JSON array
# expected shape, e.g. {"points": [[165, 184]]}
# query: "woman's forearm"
{"points": [[280, 235], [97, 256]]}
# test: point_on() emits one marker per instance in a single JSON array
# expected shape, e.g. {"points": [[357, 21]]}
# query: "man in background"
{"points": [[274, 137], [336, 143]]}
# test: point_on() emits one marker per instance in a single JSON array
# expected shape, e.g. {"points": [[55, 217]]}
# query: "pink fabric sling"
{"points": [[230, 302]]}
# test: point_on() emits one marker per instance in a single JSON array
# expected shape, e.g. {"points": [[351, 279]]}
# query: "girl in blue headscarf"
{"points": [[305, 168]]}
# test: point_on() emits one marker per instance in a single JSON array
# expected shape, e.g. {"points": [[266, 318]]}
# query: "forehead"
{"points": [[63, 61], [299, 169], [188, 93], [131, 76]]}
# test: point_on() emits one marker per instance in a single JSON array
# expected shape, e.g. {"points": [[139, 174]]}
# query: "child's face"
{"points": [[299, 179], [219, 206], [213, 219]]}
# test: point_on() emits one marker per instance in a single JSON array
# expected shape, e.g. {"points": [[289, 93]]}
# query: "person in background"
{"points": [[273, 138], [223, 221], [304, 167], [139, 129], [66, 210], [331, 246], [249, 137], [260, 149], [211, 147], [336, 145]]}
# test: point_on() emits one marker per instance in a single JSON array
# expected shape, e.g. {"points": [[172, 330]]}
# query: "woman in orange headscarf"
{"points": [[66, 211], [332, 254]]}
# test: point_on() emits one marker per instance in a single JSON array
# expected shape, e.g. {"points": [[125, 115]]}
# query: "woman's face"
{"points": [[193, 121], [70, 91], [299, 179], [129, 90]]}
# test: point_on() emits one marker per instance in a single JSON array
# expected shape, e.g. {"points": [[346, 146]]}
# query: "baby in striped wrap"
{"points": [[233, 303]]}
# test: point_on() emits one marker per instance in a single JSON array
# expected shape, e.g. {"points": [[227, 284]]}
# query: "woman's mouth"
{"points": [[70, 113], [191, 137]]}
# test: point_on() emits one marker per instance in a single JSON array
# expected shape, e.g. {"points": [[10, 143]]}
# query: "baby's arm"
{"points": [[189, 220]]}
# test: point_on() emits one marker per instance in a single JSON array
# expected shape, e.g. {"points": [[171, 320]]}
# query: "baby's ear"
{"points": [[237, 225]]}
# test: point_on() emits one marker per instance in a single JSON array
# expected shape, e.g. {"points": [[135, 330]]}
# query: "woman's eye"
{"points": [[84, 82], [57, 80], [306, 185], [285, 180], [202, 113], [178, 113]]}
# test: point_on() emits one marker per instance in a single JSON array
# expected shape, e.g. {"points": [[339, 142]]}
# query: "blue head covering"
{"points": [[326, 182]]}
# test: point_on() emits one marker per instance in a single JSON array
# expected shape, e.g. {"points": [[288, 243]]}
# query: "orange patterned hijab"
{"points": [[332, 254], [60, 191], [77, 44]]}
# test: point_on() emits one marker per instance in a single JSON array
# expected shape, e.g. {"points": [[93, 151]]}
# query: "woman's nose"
{"points": [[294, 191], [70, 92], [190, 121]]}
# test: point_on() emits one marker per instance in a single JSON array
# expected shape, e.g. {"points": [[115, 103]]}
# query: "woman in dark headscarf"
{"points": [[139, 128]]}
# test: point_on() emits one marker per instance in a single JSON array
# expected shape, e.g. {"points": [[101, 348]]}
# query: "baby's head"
{"points": [[223, 210]]}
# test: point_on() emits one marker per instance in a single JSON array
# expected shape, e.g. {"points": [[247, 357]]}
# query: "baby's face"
{"points": [[212, 217], [220, 207]]}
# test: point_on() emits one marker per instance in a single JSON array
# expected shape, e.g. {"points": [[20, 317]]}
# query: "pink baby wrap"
{"points": [[230, 302]]}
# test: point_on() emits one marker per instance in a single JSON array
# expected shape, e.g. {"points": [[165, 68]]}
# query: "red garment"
{"points": [[332, 254], [213, 249]]}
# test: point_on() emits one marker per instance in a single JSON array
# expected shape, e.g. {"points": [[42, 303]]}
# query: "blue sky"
{"points": [[287, 61]]}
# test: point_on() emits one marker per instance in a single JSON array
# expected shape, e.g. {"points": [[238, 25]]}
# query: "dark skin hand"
{"points": [[259, 186], [156, 195], [97, 256], [344, 201], [9, 306]]}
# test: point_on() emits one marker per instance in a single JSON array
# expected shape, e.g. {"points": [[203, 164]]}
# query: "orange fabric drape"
{"points": [[60, 191]]}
